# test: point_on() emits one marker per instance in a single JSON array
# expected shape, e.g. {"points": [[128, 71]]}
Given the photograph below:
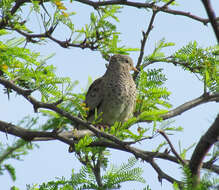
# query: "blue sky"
{"points": [[52, 158]]}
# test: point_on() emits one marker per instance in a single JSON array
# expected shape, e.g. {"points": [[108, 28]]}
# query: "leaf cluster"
{"points": [[206, 182], [152, 96], [26, 70], [201, 61], [102, 32], [85, 179]]}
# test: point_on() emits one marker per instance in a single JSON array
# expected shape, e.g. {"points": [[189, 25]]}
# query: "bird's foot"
{"points": [[102, 127]]}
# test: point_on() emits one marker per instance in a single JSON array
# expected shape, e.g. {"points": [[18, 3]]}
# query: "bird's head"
{"points": [[122, 61]]}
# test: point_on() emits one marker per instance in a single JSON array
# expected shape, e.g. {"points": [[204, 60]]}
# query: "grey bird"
{"points": [[112, 96]]}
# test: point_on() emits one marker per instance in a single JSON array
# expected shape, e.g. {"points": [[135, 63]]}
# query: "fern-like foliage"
{"points": [[85, 179], [103, 32], [207, 182], [152, 96], [126, 172], [203, 61], [26, 70]]}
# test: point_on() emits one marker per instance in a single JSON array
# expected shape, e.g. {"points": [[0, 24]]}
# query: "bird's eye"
{"points": [[127, 61]]}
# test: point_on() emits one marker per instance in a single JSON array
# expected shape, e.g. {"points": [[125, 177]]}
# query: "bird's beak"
{"points": [[134, 69]]}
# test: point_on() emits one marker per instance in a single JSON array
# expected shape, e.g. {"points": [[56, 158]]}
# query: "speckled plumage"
{"points": [[113, 94]]}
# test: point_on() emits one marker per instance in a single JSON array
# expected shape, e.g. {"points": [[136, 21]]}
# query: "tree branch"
{"points": [[147, 156], [65, 44], [52, 106], [193, 69], [191, 104], [143, 42], [98, 4], [145, 37], [30, 135], [145, 5], [172, 148], [205, 98], [202, 148], [65, 137], [37, 104], [163, 175], [212, 17]]}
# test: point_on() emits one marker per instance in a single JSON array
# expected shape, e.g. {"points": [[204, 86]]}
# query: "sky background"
{"points": [[52, 158]]}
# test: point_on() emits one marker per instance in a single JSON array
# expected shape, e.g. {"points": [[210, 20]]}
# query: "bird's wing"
{"points": [[94, 95]]}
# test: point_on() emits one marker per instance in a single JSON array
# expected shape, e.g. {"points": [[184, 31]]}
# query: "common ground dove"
{"points": [[113, 95]]}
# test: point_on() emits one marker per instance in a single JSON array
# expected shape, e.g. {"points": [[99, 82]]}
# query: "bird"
{"points": [[112, 96]]}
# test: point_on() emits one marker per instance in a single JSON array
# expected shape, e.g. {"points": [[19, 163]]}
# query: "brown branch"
{"points": [[144, 5], [144, 155], [143, 42], [65, 44], [37, 104], [212, 17], [147, 156], [193, 69], [163, 175], [66, 137], [96, 4], [31, 135], [97, 171], [52, 106], [191, 104], [205, 98], [202, 148], [171, 146]]}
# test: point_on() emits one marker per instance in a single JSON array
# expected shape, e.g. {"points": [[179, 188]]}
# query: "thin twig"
{"points": [[9, 151], [143, 42], [171, 146], [167, 4], [163, 175]]}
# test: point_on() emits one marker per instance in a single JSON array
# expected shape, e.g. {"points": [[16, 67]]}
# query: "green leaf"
{"points": [[14, 188], [151, 115], [11, 171]]}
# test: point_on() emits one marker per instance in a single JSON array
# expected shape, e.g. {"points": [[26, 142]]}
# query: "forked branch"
{"points": [[203, 146]]}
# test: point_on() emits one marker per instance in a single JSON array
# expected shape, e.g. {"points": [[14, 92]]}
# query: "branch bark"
{"points": [[67, 136], [187, 106], [191, 104], [30, 135], [53, 106], [39, 135], [145, 5], [202, 148], [212, 17], [143, 42], [172, 148]]}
